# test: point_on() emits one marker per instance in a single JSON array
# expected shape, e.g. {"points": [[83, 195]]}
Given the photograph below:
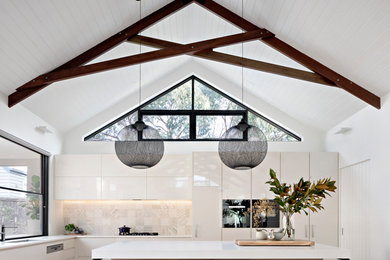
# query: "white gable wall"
{"points": [[21, 123], [73, 140], [369, 139]]}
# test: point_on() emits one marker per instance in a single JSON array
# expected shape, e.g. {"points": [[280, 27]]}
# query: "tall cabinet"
{"points": [[324, 224], [214, 182], [293, 167], [206, 196]]}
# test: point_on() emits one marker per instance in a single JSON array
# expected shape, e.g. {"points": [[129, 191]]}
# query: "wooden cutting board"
{"points": [[274, 243]]}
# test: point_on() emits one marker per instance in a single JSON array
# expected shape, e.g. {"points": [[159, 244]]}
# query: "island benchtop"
{"points": [[213, 250]]}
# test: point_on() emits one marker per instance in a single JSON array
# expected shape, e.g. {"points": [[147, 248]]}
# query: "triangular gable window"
{"points": [[193, 111]]}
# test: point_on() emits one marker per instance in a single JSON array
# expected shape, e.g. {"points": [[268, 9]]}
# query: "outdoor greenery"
{"points": [[302, 195], [177, 126], [33, 206]]}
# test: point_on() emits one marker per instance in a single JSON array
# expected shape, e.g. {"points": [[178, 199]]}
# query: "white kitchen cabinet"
{"points": [[207, 169], [78, 188], [236, 184], [169, 188], [260, 175], [77, 165], [324, 224], [38, 252], [123, 188], [231, 234], [294, 166], [112, 166], [172, 165], [206, 213]]}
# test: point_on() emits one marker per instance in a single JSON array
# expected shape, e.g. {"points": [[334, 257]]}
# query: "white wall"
{"points": [[369, 138], [21, 123], [313, 139]]}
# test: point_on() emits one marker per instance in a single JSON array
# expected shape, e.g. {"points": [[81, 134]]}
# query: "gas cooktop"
{"points": [[140, 234]]}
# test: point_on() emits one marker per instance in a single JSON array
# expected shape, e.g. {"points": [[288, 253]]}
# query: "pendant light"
{"points": [[136, 153], [246, 145]]}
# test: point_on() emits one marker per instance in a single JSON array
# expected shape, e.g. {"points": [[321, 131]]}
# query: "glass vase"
{"points": [[289, 225]]}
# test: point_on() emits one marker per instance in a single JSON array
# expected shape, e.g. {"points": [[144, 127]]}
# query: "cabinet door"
{"points": [[77, 165], [78, 188], [112, 166], [169, 188], [324, 224], [172, 165], [123, 188], [293, 167], [36, 252], [207, 169], [260, 175], [236, 184], [229, 234], [206, 213]]}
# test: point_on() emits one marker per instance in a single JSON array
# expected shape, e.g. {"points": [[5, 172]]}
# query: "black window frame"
{"points": [[192, 114], [44, 184]]}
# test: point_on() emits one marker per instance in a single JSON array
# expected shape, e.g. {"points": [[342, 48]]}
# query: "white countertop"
{"points": [[212, 250], [10, 244], [23, 242], [118, 236]]}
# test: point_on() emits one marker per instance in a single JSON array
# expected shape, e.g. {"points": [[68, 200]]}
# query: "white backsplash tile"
{"points": [[170, 218]]}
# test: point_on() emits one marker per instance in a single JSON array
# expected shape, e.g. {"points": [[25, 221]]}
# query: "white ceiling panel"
{"points": [[349, 36]]}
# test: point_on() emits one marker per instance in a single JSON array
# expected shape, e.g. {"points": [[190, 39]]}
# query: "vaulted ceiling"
{"points": [[348, 36]]}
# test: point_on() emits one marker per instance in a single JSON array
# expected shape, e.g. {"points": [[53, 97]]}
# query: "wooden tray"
{"points": [[274, 243]]}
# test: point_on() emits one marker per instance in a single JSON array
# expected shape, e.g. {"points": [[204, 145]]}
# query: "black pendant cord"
{"points": [[242, 54], [139, 137], [140, 51]]}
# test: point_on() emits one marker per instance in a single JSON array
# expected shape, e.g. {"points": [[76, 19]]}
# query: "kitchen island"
{"points": [[213, 250]]}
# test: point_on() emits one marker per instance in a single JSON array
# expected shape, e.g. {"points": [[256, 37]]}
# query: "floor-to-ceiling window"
{"points": [[23, 190]]}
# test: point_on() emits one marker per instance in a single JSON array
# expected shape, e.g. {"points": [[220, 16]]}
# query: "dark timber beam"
{"points": [[146, 57], [239, 61], [24, 91], [296, 55]]}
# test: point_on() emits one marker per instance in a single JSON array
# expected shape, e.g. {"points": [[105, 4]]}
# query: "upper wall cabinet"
{"points": [[123, 188], [207, 169], [169, 188], [77, 188], [172, 165], [260, 175], [236, 183], [111, 166], [77, 165]]}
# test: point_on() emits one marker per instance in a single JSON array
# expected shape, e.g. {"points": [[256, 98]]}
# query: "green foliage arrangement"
{"points": [[70, 227], [302, 195]]}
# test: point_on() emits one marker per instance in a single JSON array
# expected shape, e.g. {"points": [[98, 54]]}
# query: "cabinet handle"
{"points": [[305, 231], [196, 230], [312, 231]]}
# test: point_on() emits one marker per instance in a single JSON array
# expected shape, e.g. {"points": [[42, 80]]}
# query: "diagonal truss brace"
{"points": [[74, 67], [238, 61], [56, 76], [286, 49]]}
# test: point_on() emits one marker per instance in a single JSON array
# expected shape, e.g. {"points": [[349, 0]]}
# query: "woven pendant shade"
{"points": [[243, 155], [139, 154]]}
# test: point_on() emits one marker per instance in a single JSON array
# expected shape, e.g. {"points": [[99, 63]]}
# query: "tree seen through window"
{"points": [[193, 110]]}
